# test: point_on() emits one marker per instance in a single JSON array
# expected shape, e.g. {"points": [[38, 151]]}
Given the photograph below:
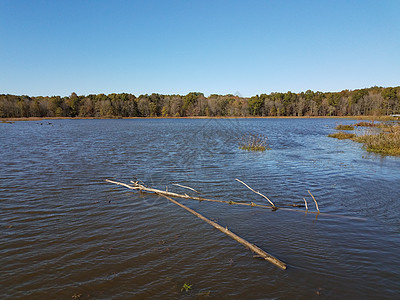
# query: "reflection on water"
{"points": [[66, 233]]}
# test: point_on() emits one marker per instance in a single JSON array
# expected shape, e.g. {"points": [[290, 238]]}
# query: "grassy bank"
{"points": [[385, 142]]}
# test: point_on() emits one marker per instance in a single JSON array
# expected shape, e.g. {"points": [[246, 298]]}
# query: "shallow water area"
{"points": [[65, 232]]}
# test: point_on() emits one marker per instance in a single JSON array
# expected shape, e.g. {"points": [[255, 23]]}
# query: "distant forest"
{"points": [[369, 101]]}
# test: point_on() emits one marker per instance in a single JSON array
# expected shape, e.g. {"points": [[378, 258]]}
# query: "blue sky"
{"points": [[174, 47]]}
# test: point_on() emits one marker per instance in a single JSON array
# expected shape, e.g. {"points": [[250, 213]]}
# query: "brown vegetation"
{"points": [[342, 135], [344, 127], [384, 140], [367, 124], [387, 143], [254, 142]]}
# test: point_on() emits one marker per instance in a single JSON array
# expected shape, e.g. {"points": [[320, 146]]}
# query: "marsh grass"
{"points": [[254, 142], [386, 143], [382, 138], [367, 124], [385, 126], [344, 127], [342, 135]]}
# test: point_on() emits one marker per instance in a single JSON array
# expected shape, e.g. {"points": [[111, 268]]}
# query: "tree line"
{"points": [[369, 101]]}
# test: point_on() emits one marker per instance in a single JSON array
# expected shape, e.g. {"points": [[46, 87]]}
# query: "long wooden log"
{"points": [[260, 253]]}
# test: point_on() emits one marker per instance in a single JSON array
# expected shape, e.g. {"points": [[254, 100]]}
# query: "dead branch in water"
{"points": [[273, 205], [140, 187], [252, 247], [260, 253], [316, 204], [305, 202]]}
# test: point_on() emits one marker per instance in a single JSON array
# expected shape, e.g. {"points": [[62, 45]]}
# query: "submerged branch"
{"points": [[273, 205], [305, 202], [316, 204], [139, 187], [260, 253]]}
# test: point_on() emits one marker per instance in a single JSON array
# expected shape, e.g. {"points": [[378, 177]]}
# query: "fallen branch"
{"points": [[273, 205], [260, 253], [237, 238], [252, 247], [316, 204], [142, 188]]}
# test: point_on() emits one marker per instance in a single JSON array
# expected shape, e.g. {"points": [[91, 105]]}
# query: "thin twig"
{"points": [[305, 202], [186, 187], [316, 204], [273, 205]]}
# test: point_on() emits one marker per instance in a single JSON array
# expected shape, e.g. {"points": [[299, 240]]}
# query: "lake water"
{"points": [[67, 234]]}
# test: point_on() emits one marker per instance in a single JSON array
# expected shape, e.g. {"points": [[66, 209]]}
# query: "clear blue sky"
{"points": [[175, 47]]}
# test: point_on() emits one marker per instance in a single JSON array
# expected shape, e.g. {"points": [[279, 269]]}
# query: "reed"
{"points": [[344, 127], [367, 124], [386, 143], [384, 140], [342, 135], [254, 142]]}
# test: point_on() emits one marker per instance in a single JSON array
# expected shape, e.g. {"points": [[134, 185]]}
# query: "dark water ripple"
{"points": [[66, 232]]}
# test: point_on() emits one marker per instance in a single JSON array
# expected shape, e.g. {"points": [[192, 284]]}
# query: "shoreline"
{"points": [[377, 118]]}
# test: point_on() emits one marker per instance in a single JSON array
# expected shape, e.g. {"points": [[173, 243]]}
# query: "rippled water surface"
{"points": [[67, 234]]}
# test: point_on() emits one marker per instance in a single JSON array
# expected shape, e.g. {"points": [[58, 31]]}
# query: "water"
{"points": [[66, 233]]}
